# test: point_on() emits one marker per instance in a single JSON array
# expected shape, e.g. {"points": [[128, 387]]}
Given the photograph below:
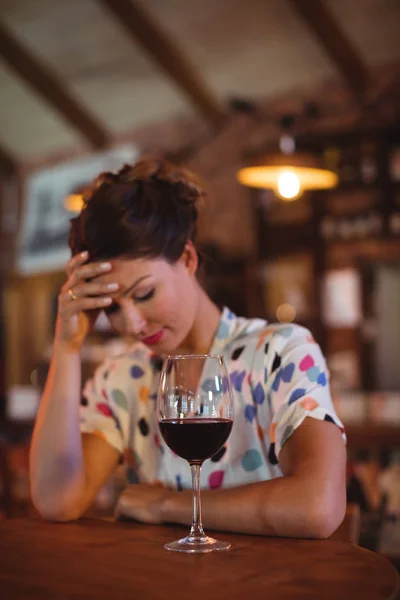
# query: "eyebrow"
{"points": [[134, 284]]}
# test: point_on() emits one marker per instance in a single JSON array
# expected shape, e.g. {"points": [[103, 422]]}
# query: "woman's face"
{"points": [[156, 301]]}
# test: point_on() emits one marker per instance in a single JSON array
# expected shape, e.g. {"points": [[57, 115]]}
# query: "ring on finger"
{"points": [[72, 295]]}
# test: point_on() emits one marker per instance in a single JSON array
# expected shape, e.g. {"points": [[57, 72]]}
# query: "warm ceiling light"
{"points": [[74, 202], [286, 313], [288, 175], [288, 185]]}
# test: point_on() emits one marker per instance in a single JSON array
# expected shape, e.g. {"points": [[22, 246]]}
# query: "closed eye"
{"points": [[114, 308], [147, 296]]}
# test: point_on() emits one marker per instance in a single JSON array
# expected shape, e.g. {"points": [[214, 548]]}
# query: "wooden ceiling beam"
{"points": [[388, 94], [339, 49], [161, 48], [46, 84]]}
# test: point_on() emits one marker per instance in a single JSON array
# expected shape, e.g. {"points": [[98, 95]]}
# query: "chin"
{"points": [[165, 349], [171, 343]]}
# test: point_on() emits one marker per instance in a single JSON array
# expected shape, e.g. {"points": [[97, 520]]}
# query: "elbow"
{"points": [[56, 513], [55, 509], [56, 501], [326, 518]]}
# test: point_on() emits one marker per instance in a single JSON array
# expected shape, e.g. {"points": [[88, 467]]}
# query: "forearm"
{"points": [[56, 459], [286, 506]]}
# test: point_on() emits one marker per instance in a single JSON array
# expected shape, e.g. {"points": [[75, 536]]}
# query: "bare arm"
{"points": [[308, 501], [56, 457], [59, 462], [66, 469]]}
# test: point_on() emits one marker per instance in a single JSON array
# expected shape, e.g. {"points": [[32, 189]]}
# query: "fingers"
{"points": [[77, 268], [79, 272], [68, 307], [87, 271], [82, 297], [92, 288], [81, 292], [76, 261], [90, 270]]}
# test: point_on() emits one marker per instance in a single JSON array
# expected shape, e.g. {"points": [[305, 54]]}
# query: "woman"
{"points": [[282, 471]]}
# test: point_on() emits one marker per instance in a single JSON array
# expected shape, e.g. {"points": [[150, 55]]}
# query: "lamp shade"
{"points": [[288, 175]]}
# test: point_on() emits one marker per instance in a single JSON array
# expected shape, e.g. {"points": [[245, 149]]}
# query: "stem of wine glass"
{"points": [[196, 530]]}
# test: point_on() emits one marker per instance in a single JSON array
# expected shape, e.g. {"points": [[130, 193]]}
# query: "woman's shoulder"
{"points": [[260, 333], [262, 345]]}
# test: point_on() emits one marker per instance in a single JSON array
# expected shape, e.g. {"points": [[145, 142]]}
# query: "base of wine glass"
{"points": [[192, 544]]}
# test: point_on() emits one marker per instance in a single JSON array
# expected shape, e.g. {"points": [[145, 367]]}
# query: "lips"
{"points": [[151, 340]]}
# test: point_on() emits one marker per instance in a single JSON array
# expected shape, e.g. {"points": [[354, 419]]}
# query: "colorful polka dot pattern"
{"points": [[277, 375], [250, 412], [120, 399], [251, 460], [237, 378], [259, 394], [136, 372], [296, 394], [312, 371], [216, 479], [104, 409], [143, 427], [309, 403], [219, 455], [144, 394]]}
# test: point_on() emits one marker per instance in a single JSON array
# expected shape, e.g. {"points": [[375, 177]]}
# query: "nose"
{"points": [[134, 321]]}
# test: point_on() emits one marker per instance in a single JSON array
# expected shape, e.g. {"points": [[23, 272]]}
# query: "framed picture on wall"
{"points": [[43, 235]]}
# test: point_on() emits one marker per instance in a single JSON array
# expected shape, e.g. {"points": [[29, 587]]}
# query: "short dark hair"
{"points": [[148, 209]]}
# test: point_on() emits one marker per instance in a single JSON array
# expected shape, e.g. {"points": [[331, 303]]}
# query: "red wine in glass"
{"points": [[195, 440], [195, 417]]}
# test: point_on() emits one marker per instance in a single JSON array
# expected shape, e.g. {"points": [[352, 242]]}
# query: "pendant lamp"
{"points": [[288, 173]]}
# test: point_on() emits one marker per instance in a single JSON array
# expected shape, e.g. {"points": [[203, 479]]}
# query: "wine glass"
{"points": [[195, 413]]}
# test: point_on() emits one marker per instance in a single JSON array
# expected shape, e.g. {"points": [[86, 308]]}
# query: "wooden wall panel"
{"points": [[28, 323]]}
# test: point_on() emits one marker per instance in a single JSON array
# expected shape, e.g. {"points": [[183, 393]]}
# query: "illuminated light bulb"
{"points": [[286, 313], [288, 185]]}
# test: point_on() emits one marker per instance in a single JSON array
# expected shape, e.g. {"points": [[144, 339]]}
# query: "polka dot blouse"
{"points": [[279, 377]]}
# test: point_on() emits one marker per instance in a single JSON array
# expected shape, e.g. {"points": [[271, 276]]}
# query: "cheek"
{"points": [[164, 305], [174, 302]]}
